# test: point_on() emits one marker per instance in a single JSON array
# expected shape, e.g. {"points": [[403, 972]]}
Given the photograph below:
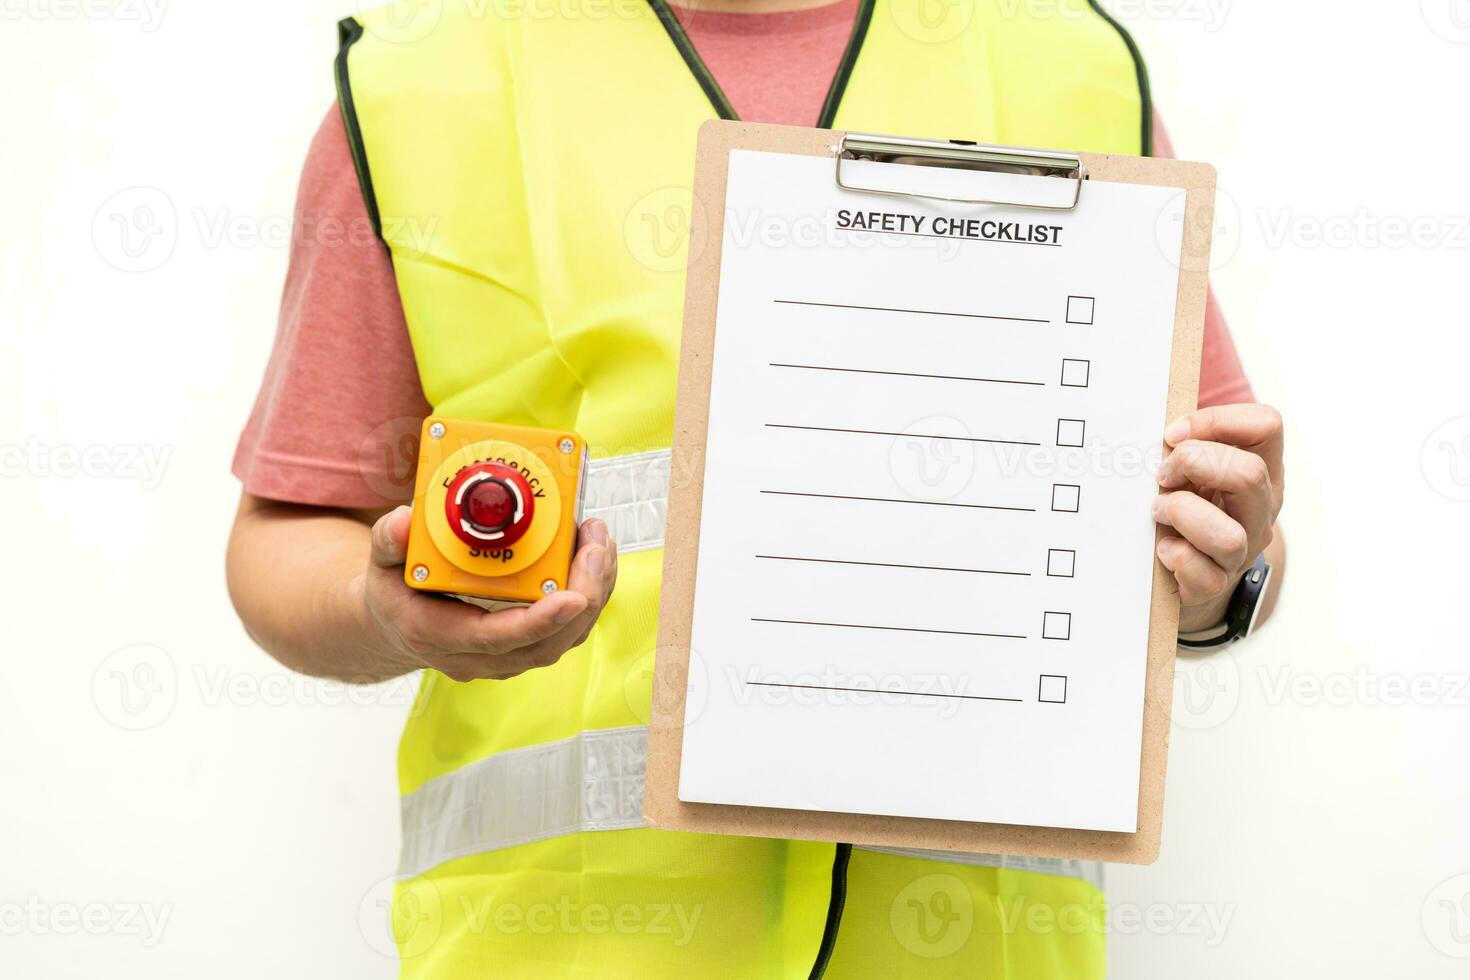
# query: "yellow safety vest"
{"points": [[528, 163]]}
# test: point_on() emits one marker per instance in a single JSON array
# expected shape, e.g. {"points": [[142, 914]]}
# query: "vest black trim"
{"points": [[716, 95], [1146, 138], [844, 67], [840, 857], [697, 67], [349, 32]]}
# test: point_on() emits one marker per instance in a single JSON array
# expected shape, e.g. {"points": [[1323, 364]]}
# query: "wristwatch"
{"points": [[1240, 614]]}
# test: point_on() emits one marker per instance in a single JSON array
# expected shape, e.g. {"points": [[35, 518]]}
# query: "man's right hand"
{"points": [[465, 643]]}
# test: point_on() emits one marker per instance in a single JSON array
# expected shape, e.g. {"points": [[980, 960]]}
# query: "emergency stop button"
{"points": [[489, 506]]}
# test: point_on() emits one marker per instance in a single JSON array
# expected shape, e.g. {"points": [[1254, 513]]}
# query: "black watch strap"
{"points": [[1240, 614]]}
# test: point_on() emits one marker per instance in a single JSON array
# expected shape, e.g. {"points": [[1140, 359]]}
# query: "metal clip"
{"points": [[962, 154]]}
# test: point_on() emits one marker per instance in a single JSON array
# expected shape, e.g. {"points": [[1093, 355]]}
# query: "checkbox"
{"points": [[1061, 562], [1075, 372], [1056, 626], [1071, 432], [1052, 689], [1079, 309], [1066, 497]]}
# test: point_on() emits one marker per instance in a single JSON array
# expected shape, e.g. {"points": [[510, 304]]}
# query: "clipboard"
{"points": [[1073, 172]]}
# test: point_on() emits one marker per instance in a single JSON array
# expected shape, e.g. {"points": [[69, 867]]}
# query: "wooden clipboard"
{"points": [[662, 806]]}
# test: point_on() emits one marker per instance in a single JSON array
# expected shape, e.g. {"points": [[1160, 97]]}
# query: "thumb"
{"points": [[390, 538]]}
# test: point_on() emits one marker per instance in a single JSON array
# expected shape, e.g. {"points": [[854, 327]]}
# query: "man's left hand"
{"points": [[1222, 485]]}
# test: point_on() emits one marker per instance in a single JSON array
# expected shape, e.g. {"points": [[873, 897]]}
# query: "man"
{"points": [[512, 158]]}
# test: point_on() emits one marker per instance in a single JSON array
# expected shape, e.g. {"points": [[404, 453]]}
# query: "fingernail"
{"points": [[1166, 553], [1177, 432], [1159, 509], [597, 532], [595, 561], [566, 614]]}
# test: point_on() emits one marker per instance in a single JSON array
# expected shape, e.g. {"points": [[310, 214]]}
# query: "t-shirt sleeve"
{"points": [[337, 417], [1222, 379]]}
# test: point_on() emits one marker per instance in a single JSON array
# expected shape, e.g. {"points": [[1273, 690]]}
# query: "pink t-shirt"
{"points": [[337, 417]]}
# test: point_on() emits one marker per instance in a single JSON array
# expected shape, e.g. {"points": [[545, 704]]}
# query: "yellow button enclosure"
{"points": [[553, 463]]}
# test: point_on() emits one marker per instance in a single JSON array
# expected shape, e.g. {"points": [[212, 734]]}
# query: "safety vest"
{"points": [[528, 163]]}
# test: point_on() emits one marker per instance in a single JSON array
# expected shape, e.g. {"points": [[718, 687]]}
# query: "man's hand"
{"points": [[465, 643], [1222, 486]]}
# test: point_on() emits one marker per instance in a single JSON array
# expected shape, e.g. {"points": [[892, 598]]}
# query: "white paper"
{"points": [[861, 537]]}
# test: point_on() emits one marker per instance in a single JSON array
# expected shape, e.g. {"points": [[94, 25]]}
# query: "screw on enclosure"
{"points": [[436, 431], [566, 445], [548, 586], [420, 573]]}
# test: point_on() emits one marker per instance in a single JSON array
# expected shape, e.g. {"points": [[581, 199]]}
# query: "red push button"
{"points": [[489, 506]]}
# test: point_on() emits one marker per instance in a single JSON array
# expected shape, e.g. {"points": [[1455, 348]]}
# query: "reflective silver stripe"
{"points": [[592, 781], [1088, 871], [631, 494]]}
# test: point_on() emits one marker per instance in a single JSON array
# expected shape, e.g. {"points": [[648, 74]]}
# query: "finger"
{"points": [[390, 537], [1251, 496], [589, 568], [526, 638], [609, 582], [436, 624], [592, 531], [550, 649], [551, 623], [589, 576], [1205, 526], [544, 653], [1199, 578], [464, 667], [608, 575], [593, 575], [1253, 427], [515, 630], [597, 586], [612, 572]]}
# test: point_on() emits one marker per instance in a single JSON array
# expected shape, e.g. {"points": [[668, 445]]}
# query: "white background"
{"points": [[1316, 808]]}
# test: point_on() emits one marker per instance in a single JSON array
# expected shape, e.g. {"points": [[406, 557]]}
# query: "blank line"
{"points": [[898, 500], [948, 238], [873, 690], [884, 564], [910, 435], [893, 309], [907, 374], [899, 629]]}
